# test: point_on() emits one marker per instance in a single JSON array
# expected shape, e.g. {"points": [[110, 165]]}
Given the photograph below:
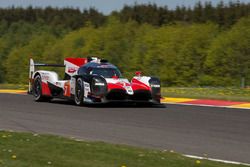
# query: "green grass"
{"points": [[46, 150], [14, 86], [234, 94]]}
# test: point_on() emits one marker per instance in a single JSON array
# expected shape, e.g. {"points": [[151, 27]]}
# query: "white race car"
{"points": [[91, 80]]}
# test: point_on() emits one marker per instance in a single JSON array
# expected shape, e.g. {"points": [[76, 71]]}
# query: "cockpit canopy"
{"points": [[105, 70]]}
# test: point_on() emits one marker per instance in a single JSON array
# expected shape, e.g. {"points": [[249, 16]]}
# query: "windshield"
{"points": [[106, 72]]}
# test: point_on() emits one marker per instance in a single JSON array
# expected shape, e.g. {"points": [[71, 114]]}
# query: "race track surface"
{"points": [[220, 133]]}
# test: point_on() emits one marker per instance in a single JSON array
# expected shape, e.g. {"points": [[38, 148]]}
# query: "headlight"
{"points": [[155, 86], [99, 84]]}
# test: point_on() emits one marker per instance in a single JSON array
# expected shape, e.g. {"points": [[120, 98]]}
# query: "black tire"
{"points": [[79, 92], [37, 90], [158, 100]]}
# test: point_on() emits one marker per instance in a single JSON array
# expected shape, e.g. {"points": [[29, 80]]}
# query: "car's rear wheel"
{"points": [[37, 90], [79, 92]]}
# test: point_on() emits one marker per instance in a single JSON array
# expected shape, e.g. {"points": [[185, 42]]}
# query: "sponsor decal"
{"points": [[72, 85], [120, 84], [72, 70], [45, 77], [86, 89], [129, 90], [67, 89], [104, 66]]}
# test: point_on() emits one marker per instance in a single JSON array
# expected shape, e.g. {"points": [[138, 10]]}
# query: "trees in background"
{"points": [[205, 46], [66, 18], [228, 58], [72, 19], [222, 14], [17, 63], [19, 35]]}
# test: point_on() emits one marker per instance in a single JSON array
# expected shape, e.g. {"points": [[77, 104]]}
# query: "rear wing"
{"points": [[32, 69], [71, 67]]}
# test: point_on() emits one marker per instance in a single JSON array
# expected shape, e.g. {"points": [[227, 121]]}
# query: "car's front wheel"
{"points": [[79, 92]]}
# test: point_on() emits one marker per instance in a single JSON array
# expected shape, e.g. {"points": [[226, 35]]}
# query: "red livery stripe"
{"points": [[114, 86], [136, 86], [139, 85], [45, 89], [77, 61]]}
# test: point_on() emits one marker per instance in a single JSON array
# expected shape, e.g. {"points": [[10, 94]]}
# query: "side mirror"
{"points": [[138, 73]]}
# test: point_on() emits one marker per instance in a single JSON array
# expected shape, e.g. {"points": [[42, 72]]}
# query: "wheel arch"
{"points": [[33, 79], [36, 74]]}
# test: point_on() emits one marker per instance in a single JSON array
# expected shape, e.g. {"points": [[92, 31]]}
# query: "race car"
{"points": [[91, 80]]}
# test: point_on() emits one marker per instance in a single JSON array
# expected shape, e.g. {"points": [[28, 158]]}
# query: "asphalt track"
{"points": [[221, 133]]}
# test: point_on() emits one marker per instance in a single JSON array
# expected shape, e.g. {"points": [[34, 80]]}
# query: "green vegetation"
{"points": [[24, 149], [14, 86], [203, 46], [234, 94]]}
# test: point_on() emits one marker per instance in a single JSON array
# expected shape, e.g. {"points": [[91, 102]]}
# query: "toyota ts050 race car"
{"points": [[91, 80]]}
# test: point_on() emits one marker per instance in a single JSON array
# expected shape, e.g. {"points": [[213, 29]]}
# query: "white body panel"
{"points": [[51, 77], [126, 84], [47, 76], [70, 68], [86, 89], [143, 79], [72, 85]]}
